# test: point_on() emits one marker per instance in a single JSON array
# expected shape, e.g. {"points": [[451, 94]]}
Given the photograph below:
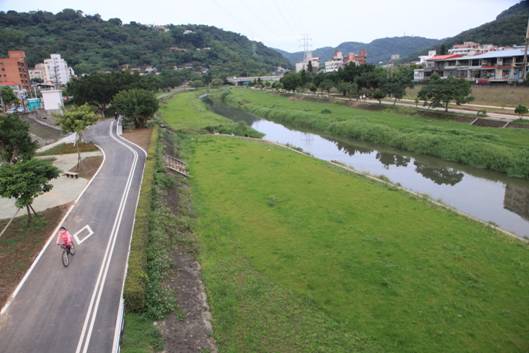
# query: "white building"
{"points": [[336, 63], [424, 58], [38, 73], [52, 100], [315, 63], [54, 71]]}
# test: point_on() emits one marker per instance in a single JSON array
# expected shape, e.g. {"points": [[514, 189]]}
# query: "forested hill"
{"points": [[506, 30], [377, 51], [509, 28], [90, 44]]}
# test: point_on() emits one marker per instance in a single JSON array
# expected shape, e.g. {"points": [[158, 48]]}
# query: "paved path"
{"points": [[75, 309]]}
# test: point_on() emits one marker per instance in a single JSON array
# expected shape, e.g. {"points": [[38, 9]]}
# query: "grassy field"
{"points": [[500, 96], [301, 256], [503, 150]]}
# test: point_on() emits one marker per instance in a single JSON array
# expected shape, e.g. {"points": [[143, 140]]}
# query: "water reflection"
{"points": [[517, 199], [439, 175], [491, 197]]}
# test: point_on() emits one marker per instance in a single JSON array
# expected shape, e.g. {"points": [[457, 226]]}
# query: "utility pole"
{"points": [[524, 73]]}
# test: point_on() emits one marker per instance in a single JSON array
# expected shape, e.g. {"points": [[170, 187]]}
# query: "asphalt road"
{"points": [[74, 309]]}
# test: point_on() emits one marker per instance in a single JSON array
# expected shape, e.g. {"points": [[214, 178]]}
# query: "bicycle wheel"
{"points": [[65, 259]]}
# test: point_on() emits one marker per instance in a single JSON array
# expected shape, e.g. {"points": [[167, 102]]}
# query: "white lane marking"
{"points": [[119, 317], [89, 322], [52, 236], [88, 232]]}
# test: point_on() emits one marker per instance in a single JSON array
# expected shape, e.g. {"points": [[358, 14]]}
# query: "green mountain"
{"points": [[89, 44], [509, 28], [379, 50]]}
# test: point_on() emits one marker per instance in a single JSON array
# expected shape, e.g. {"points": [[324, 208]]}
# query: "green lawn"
{"points": [[301, 256], [503, 150], [186, 112]]}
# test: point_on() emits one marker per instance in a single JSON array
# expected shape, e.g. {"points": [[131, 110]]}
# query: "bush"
{"points": [[326, 111]]}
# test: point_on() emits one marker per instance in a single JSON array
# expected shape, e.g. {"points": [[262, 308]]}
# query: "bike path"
{"points": [[75, 309]]}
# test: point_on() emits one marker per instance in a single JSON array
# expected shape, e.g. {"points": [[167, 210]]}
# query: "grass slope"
{"points": [[300, 256], [186, 113], [502, 150]]}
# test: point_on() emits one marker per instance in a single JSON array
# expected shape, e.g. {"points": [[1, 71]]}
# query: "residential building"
{"points": [[424, 58], [314, 62], [505, 65], [471, 48], [336, 63], [38, 73], [57, 71], [14, 70], [358, 59]]}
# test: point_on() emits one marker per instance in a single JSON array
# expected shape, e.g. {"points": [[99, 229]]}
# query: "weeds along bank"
{"points": [[301, 256], [501, 150]]}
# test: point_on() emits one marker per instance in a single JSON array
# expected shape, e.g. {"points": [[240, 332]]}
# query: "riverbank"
{"points": [[503, 150], [358, 266], [301, 256]]}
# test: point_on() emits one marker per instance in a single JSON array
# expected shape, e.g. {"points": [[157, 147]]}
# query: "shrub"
{"points": [[326, 111]]}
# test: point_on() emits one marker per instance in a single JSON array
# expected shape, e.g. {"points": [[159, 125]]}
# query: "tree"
{"points": [[326, 85], [76, 120], [8, 97], [291, 81], [26, 180], [379, 94], [521, 110], [309, 67], [217, 82], [136, 105], [440, 92], [15, 141], [99, 89]]}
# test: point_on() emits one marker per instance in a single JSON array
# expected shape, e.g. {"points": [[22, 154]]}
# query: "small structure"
{"points": [[52, 100], [33, 104], [176, 165]]}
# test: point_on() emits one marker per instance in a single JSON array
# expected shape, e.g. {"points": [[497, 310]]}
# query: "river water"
{"points": [[488, 196]]}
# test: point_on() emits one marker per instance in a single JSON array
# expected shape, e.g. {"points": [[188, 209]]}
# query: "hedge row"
{"points": [[135, 284]]}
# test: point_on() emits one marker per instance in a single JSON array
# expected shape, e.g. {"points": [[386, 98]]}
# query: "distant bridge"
{"points": [[237, 81]]}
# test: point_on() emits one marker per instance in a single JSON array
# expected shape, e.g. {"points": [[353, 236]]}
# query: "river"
{"points": [[488, 196]]}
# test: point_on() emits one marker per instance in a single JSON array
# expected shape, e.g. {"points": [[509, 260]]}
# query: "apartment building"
{"points": [[304, 65], [339, 61], [14, 70], [336, 63], [503, 65], [53, 71]]}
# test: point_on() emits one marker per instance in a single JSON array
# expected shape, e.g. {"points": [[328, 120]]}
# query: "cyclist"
{"points": [[65, 239]]}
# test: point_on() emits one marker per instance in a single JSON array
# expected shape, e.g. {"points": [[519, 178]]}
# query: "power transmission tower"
{"points": [[306, 43], [524, 73]]}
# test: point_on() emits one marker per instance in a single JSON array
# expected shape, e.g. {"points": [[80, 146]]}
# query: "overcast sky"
{"points": [[281, 23]]}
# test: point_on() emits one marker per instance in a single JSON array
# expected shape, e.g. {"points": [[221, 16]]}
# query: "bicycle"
{"points": [[67, 251]]}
